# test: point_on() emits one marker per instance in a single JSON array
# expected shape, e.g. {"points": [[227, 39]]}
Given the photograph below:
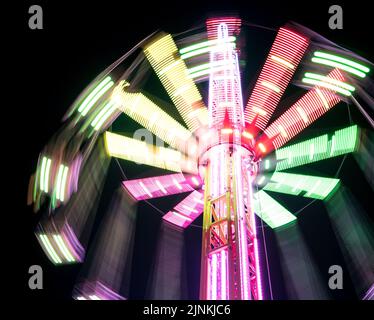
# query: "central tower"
{"points": [[230, 266]]}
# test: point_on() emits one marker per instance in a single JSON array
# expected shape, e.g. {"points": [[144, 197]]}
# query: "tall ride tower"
{"points": [[230, 266]]}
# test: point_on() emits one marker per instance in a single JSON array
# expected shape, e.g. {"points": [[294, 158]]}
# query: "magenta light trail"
{"points": [[186, 211], [154, 187], [224, 288]]}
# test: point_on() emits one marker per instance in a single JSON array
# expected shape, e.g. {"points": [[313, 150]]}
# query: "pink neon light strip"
{"points": [[186, 211], [260, 295], [293, 121], [233, 26], [223, 267], [213, 263], [161, 186], [217, 275], [241, 236], [281, 63]]}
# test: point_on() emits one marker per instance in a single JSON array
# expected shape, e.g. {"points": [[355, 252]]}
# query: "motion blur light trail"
{"points": [[72, 224], [225, 160], [365, 157], [111, 254], [168, 278], [302, 278], [354, 233]]}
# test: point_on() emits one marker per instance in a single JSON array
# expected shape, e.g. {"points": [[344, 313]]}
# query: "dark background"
{"points": [[81, 38]]}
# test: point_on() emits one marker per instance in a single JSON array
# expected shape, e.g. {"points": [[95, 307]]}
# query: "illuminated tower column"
{"points": [[229, 264]]}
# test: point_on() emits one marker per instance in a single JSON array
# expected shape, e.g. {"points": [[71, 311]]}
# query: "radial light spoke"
{"points": [[144, 111], [271, 211], [302, 185], [281, 63], [186, 211], [161, 186], [343, 141], [142, 153], [164, 58], [304, 112]]}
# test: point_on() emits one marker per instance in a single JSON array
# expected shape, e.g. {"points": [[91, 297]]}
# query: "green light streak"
{"points": [[217, 68], [311, 152], [205, 44], [46, 175], [103, 115], [95, 95], [330, 80], [261, 180], [63, 248], [348, 62], [271, 211], [35, 188], [51, 252], [201, 51], [296, 184], [326, 85], [208, 66], [204, 66], [343, 141], [42, 173], [267, 164], [59, 180], [63, 183], [338, 65]]}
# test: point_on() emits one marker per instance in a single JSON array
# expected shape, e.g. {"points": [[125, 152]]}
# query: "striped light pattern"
{"points": [[142, 153], [95, 95], [218, 287], [57, 248], [302, 185], [103, 115], [341, 142], [225, 95], [271, 211], [144, 111], [44, 174], [305, 111], [171, 69], [186, 211], [329, 83], [203, 47], [337, 61], [161, 186], [206, 69], [95, 290], [60, 184], [63, 248], [233, 26], [283, 59], [49, 249]]}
